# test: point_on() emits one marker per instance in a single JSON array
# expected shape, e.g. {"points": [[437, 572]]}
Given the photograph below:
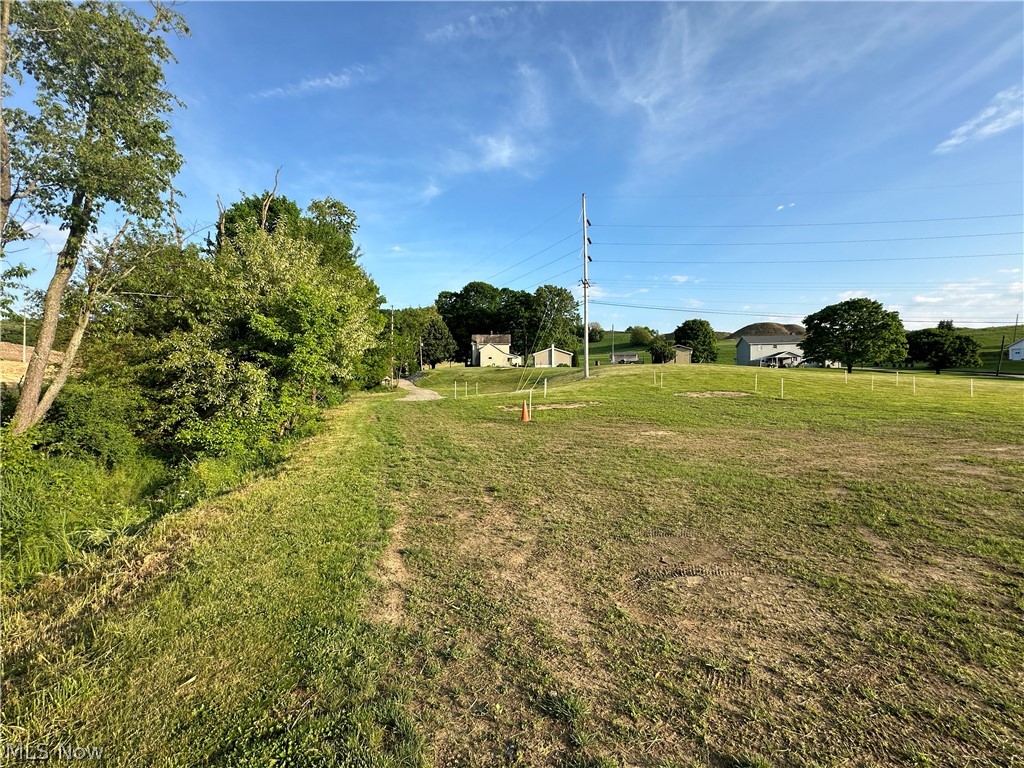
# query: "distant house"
{"points": [[493, 349], [625, 357], [770, 351], [1016, 350], [552, 357], [684, 354]]}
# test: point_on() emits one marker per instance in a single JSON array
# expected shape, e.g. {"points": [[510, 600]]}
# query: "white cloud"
{"points": [[486, 24], [680, 278], [396, 248], [709, 73], [928, 299], [430, 191], [1009, 271], [346, 78], [1005, 111]]}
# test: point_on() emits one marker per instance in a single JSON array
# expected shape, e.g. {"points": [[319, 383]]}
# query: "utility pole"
{"points": [[421, 353], [393, 381], [999, 360], [586, 294]]}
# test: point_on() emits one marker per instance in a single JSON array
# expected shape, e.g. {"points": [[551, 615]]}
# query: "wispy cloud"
{"points": [[346, 78], [928, 299], [1009, 271], [485, 24], [692, 90], [1005, 111]]}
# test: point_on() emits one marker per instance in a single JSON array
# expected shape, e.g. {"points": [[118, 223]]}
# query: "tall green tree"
{"points": [[438, 344], [699, 336], [97, 138], [661, 350], [854, 332], [943, 348]]}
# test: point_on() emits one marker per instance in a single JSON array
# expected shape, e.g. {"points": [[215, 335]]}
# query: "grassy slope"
{"points": [[833, 578], [827, 579], [233, 635]]}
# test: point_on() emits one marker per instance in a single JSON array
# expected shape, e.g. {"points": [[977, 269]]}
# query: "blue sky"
{"points": [[730, 153]]}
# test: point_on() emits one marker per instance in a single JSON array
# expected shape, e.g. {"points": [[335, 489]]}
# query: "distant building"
{"points": [[1016, 350], [493, 349], [684, 354], [552, 357], [770, 351]]}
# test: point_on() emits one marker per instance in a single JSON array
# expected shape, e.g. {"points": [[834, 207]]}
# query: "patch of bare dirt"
{"points": [[920, 570], [718, 393], [547, 406], [388, 601]]}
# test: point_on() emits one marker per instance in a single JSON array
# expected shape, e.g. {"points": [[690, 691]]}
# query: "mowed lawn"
{"points": [[695, 574], [649, 573]]}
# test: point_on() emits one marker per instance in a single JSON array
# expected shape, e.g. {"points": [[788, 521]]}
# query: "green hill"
{"points": [[767, 329], [989, 339]]}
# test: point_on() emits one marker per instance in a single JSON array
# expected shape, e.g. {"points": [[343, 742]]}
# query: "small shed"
{"points": [[684, 354], [552, 357], [625, 357], [1016, 350]]}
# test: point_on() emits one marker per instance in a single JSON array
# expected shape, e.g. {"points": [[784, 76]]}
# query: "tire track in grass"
{"points": [[254, 651]]}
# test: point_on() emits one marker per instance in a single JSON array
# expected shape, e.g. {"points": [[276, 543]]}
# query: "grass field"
{"points": [[691, 574]]}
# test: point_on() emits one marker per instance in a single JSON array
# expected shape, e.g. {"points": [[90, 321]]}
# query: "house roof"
{"points": [[557, 349], [783, 353], [682, 346], [788, 338], [1017, 343], [491, 338]]}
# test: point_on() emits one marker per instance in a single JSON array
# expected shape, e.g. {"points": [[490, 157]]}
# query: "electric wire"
{"points": [[784, 193], [537, 269], [820, 242], [810, 261], [821, 224], [538, 253]]}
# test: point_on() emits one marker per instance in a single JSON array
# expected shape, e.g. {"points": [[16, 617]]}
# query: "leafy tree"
{"points": [[661, 350], [641, 336], [595, 332], [474, 309], [556, 320], [946, 325], [98, 135], [854, 332], [268, 211], [943, 348], [699, 336], [547, 316], [438, 344]]}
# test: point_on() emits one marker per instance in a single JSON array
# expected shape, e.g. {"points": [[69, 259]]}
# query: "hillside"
{"points": [[767, 329]]}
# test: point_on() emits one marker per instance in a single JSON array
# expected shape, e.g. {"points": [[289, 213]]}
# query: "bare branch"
{"points": [[174, 222], [266, 202], [220, 218]]}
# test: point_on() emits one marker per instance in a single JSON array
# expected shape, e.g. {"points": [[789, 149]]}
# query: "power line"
{"points": [[785, 286], [701, 310], [538, 253], [811, 261], [804, 194], [822, 242], [516, 240], [542, 266], [822, 224]]}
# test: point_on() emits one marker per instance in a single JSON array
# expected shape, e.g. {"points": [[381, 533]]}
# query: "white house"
{"points": [[493, 349], [781, 351], [1016, 350]]}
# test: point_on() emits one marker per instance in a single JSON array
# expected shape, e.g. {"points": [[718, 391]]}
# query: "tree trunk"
{"points": [[65, 367], [849, 367], [29, 401], [5, 147]]}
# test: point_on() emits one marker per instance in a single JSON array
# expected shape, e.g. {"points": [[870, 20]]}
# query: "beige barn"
{"points": [[552, 357]]}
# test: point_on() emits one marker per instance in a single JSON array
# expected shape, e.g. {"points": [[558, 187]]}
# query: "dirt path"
{"points": [[415, 393]]}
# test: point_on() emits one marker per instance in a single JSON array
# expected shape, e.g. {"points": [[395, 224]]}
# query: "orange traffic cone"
{"points": [[526, 412]]}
